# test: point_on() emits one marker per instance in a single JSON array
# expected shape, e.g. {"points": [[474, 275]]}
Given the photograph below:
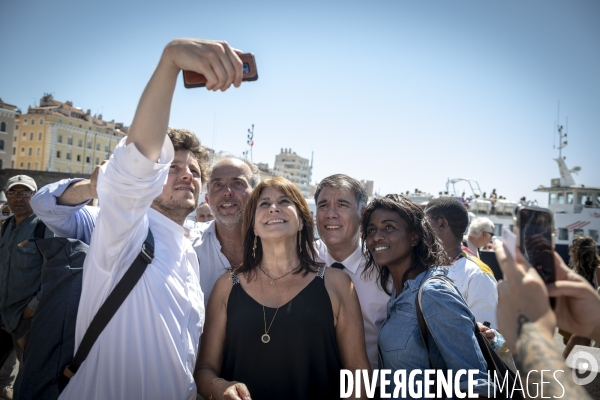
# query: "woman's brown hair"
{"points": [[306, 250]]}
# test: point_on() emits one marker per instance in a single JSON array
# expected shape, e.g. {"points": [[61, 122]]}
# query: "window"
{"points": [[89, 144], [1, 144], [29, 152], [21, 165], [106, 148], [59, 139], [28, 165], [80, 143], [552, 199], [87, 159], [3, 126], [577, 232], [38, 151], [24, 123], [41, 121], [14, 151], [30, 135], [37, 166], [39, 135], [97, 146], [68, 156], [563, 234], [58, 154], [24, 135], [22, 151], [97, 161], [594, 234], [569, 197], [32, 121], [78, 157], [17, 127], [70, 140], [561, 198], [498, 230]]}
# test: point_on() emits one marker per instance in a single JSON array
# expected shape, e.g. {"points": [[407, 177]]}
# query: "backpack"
{"points": [[48, 360]]}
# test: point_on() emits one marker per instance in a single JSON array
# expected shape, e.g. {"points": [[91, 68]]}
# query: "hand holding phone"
{"points": [[535, 234], [193, 79]]}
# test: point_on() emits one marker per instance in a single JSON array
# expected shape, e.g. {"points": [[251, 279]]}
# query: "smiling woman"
{"points": [[399, 241], [276, 328]]}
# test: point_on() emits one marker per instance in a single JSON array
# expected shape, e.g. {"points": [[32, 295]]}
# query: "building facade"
{"points": [[295, 168], [8, 115], [368, 187], [59, 137]]}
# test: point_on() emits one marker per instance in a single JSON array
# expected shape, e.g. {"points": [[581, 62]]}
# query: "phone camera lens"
{"points": [[246, 68]]}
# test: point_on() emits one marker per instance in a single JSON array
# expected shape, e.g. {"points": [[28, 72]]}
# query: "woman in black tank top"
{"points": [[280, 326]]}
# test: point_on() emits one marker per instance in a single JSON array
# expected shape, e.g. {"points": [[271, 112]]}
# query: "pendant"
{"points": [[265, 338], [272, 282]]}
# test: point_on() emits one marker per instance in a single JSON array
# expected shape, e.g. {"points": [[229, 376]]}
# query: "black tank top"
{"points": [[301, 361]]}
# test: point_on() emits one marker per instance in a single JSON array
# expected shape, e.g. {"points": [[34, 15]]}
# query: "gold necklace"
{"points": [[266, 338], [271, 279]]}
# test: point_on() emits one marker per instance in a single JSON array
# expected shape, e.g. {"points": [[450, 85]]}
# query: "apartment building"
{"points": [[295, 168], [8, 114], [56, 136]]}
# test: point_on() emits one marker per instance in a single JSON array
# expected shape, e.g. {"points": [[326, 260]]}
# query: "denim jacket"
{"points": [[454, 345], [20, 271]]}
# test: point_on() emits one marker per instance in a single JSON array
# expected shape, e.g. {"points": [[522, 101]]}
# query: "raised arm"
{"points": [[74, 220], [527, 323], [217, 61]]}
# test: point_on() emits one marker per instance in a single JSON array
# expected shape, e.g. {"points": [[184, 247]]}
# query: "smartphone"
{"points": [[535, 235], [249, 73]]}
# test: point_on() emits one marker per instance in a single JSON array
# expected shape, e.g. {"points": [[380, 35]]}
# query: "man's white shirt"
{"points": [[149, 348], [213, 262], [477, 287], [373, 300]]}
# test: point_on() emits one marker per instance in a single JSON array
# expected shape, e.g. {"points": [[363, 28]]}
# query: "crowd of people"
{"points": [[245, 303]]}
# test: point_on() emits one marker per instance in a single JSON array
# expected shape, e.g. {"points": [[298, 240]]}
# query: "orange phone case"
{"points": [[193, 79]]}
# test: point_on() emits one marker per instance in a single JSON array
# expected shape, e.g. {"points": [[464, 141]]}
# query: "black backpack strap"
{"points": [[5, 225], [40, 230], [111, 305]]}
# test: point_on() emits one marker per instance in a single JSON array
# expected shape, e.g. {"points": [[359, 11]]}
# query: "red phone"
{"points": [[193, 79]]}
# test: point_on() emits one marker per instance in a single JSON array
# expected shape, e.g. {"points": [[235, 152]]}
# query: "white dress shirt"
{"points": [[373, 300], [213, 262], [149, 348]]}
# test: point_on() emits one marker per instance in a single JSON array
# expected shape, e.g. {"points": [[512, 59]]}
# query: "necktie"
{"points": [[337, 265]]}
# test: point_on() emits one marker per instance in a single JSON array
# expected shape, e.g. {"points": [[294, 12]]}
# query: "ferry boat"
{"points": [[576, 207]]}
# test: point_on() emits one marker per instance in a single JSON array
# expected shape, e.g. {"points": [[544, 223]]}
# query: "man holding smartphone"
{"points": [[148, 184]]}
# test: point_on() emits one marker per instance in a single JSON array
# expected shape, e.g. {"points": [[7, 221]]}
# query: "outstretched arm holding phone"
{"points": [[527, 323], [216, 60]]}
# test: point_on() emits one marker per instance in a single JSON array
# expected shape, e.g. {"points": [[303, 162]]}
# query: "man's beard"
{"points": [[175, 210], [229, 220]]}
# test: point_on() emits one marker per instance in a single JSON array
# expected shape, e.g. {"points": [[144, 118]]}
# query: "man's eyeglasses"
{"points": [[25, 193], [489, 233]]}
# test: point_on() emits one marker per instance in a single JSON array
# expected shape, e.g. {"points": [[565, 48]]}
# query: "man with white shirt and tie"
{"points": [[340, 200]]}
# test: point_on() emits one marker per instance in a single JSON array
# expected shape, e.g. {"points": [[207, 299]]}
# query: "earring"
{"points": [[254, 247], [300, 240]]}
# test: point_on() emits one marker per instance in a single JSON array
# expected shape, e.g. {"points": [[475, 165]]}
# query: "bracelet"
{"points": [[216, 379]]}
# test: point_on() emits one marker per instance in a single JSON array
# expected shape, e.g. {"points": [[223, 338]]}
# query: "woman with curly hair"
{"points": [[399, 242], [584, 258]]}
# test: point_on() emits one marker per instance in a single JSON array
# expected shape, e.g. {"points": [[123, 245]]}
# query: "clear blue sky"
{"points": [[404, 93]]}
